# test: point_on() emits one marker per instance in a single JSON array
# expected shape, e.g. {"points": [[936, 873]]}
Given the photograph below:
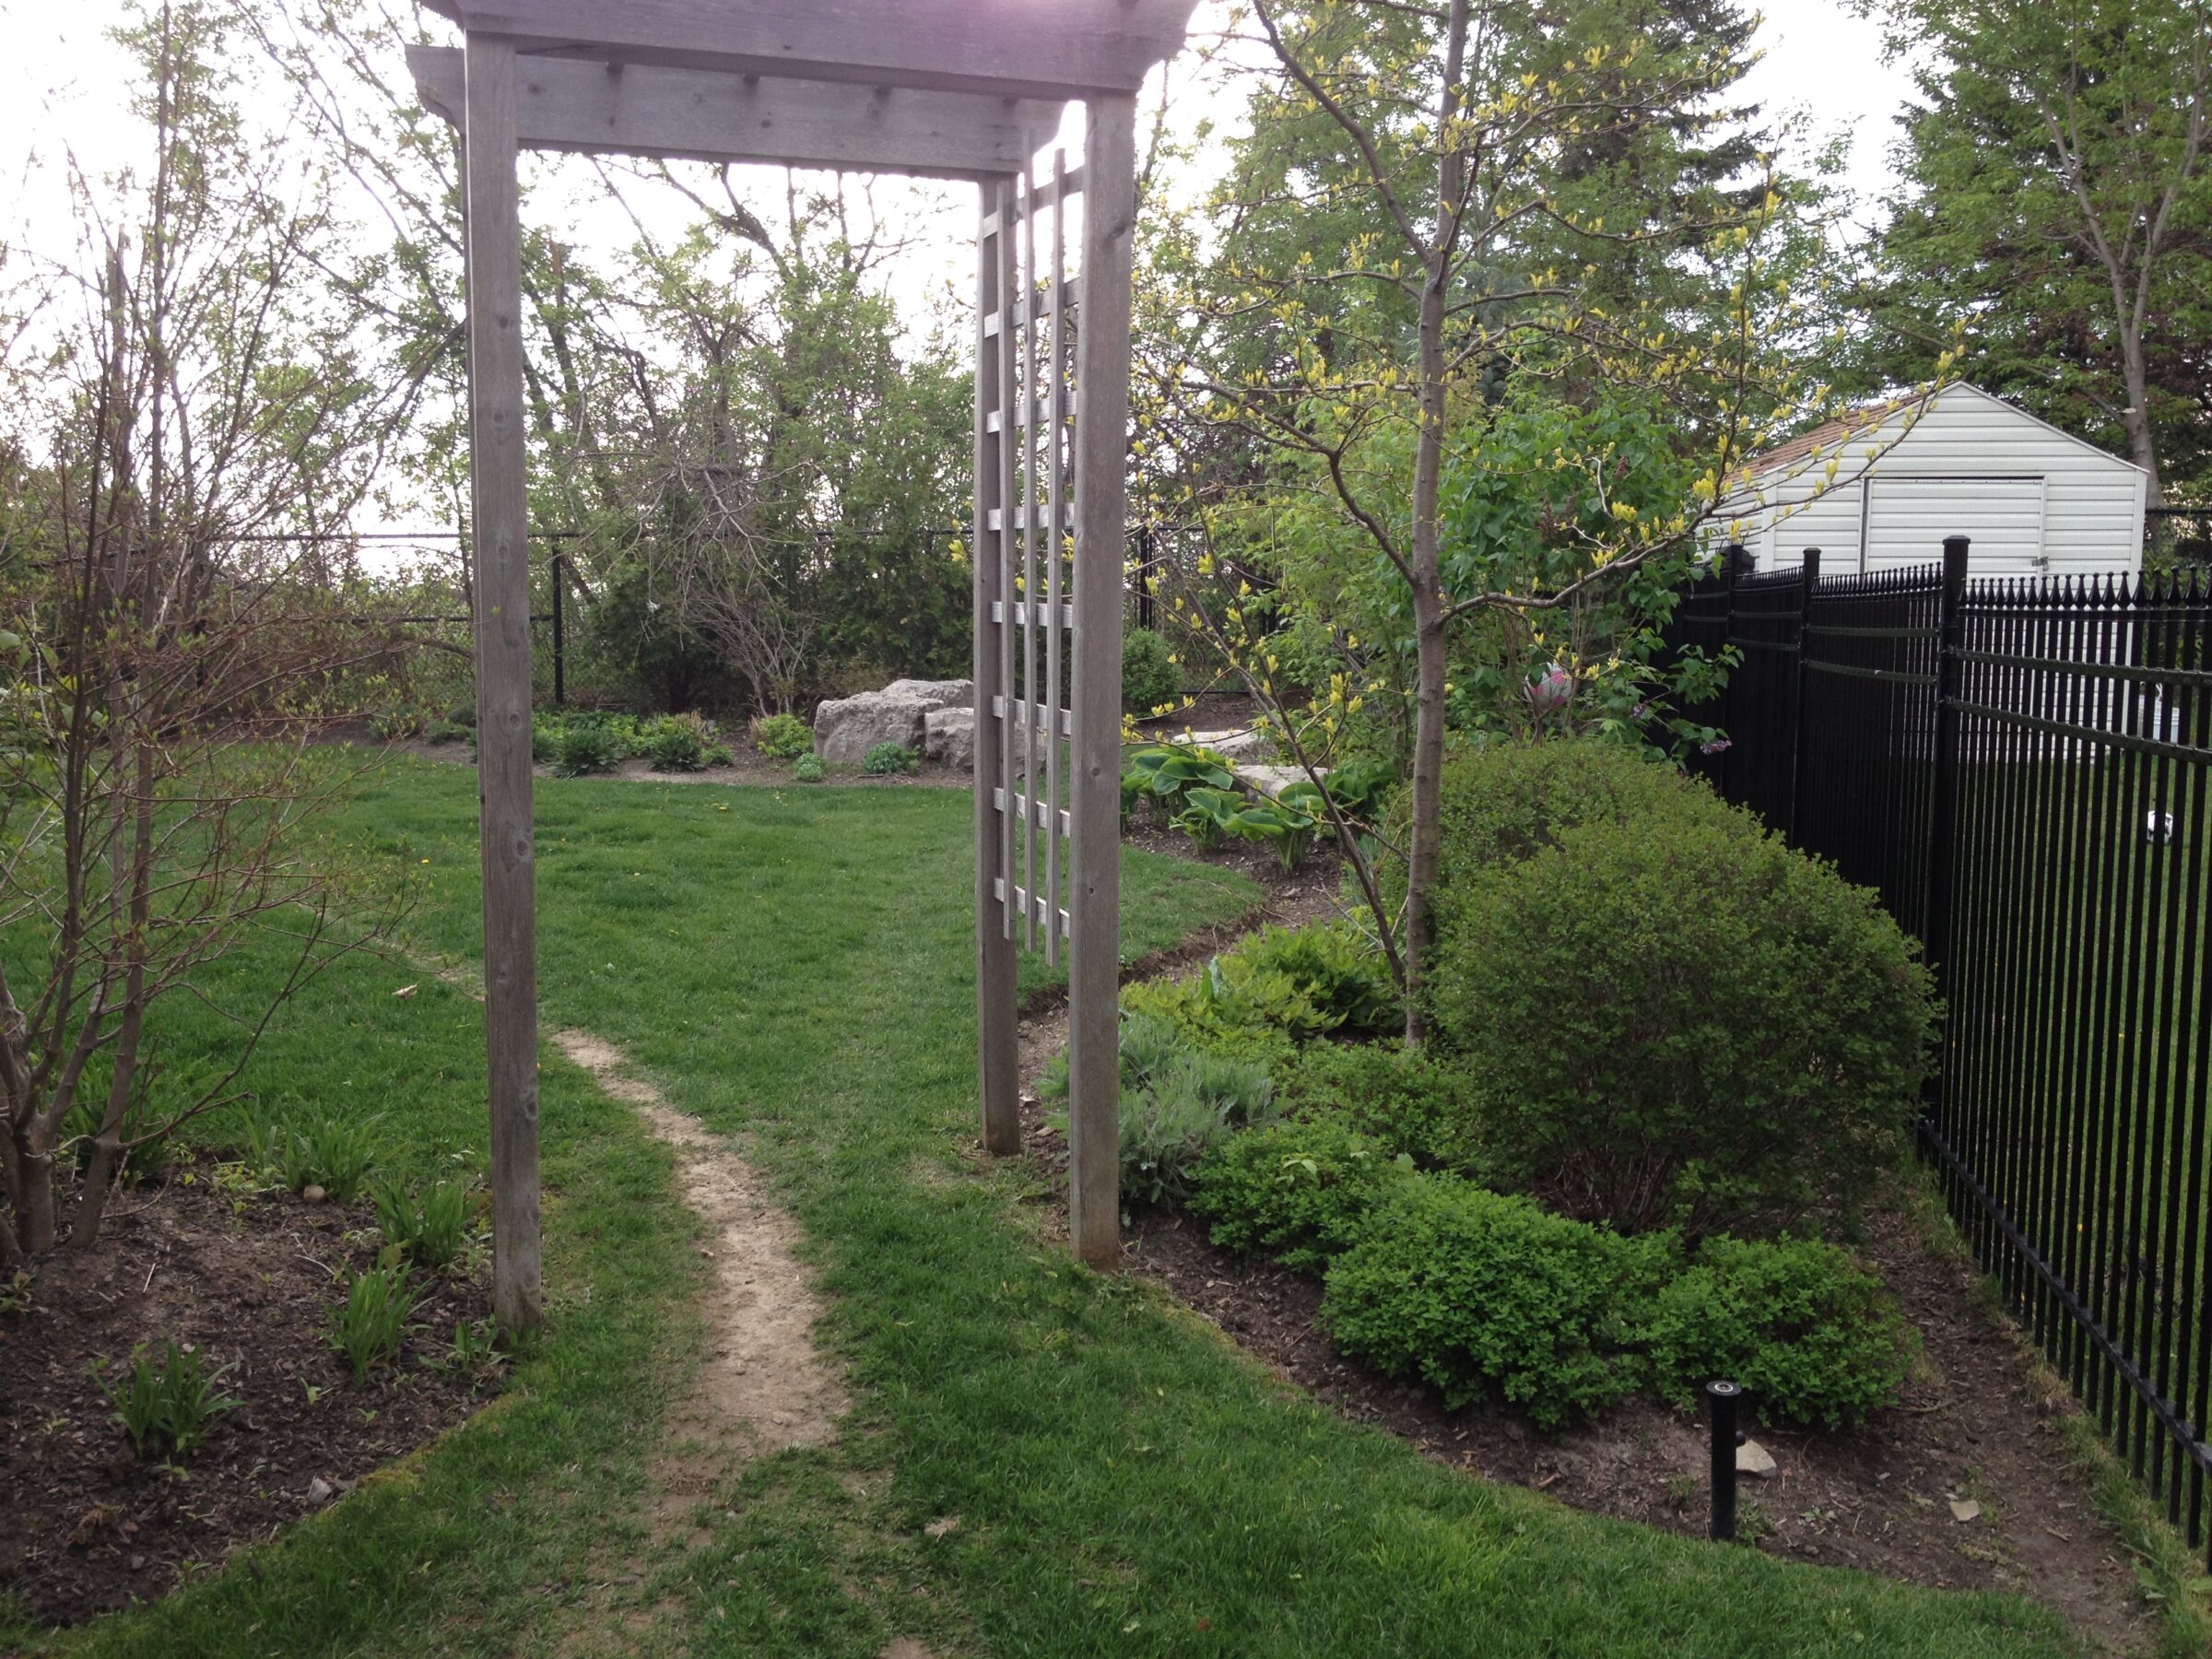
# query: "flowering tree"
{"points": [[1460, 413]]}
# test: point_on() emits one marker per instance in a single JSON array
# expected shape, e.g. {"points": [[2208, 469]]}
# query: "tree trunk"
{"points": [[2142, 446], [1431, 629], [34, 1213]]}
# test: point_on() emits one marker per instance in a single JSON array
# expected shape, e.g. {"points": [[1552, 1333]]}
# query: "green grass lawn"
{"points": [[793, 966]]}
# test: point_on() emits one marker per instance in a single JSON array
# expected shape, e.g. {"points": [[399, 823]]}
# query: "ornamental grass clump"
{"points": [[1673, 1019]]}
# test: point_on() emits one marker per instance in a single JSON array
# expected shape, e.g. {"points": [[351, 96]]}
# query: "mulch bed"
{"points": [[1978, 1421], [87, 1527], [1972, 1424]]}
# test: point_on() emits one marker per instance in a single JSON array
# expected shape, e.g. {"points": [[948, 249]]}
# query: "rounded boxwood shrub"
{"points": [[1149, 677], [1811, 1334], [1298, 1191], [1482, 1293], [1501, 803], [1676, 1020]]}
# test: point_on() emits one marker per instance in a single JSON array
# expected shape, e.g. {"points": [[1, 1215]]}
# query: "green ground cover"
{"points": [[792, 966]]}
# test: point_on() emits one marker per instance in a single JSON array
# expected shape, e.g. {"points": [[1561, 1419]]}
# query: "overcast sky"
{"points": [[58, 87]]}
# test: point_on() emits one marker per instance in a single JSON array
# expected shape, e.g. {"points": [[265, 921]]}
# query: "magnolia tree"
{"points": [[157, 789], [1503, 303]]}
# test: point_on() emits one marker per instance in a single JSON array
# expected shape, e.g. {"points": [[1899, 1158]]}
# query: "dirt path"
{"points": [[763, 1385]]}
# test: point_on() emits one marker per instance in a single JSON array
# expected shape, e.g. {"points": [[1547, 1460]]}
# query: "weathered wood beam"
{"points": [[1101, 479], [712, 115], [997, 1014], [1008, 48], [507, 836]]}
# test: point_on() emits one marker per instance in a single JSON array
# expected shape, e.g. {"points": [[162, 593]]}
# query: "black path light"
{"points": [[1724, 1397]]}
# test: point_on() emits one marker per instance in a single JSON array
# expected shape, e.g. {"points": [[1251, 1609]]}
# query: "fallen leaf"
{"points": [[937, 1529]]}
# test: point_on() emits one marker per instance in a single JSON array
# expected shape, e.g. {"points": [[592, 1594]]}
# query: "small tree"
{"points": [[1413, 323], [160, 680]]}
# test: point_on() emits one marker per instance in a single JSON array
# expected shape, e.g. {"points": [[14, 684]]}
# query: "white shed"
{"points": [[2037, 502]]}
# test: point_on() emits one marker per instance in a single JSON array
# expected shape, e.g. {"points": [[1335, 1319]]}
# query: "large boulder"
{"points": [[942, 694], [1243, 743], [848, 727], [949, 737]]}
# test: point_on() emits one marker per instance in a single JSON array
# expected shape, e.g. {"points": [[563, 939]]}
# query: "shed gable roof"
{"points": [[1869, 419]]}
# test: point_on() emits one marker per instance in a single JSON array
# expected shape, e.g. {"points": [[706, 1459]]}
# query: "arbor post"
{"points": [[996, 1018], [500, 525], [1102, 508]]}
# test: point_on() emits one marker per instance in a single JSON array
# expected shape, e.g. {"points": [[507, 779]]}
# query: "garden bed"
{"points": [[1974, 1423], [245, 1278]]}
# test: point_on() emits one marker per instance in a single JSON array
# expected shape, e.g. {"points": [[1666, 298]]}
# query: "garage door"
{"points": [[1908, 518]]}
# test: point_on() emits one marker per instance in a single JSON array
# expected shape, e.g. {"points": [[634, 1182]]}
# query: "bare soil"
{"points": [[763, 1385], [247, 1280]]}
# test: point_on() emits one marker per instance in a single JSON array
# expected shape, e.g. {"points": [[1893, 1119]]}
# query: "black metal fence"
{"points": [[2020, 769]]}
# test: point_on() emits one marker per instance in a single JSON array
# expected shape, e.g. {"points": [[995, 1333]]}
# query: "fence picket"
{"points": [[2020, 769]]}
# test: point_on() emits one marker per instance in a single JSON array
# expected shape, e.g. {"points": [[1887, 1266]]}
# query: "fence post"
{"points": [[560, 677], [1943, 817], [1733, 556], [1804, 688]]}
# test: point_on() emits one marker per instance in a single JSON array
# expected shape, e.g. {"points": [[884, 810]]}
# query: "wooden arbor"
{"points": [[947, 89]]}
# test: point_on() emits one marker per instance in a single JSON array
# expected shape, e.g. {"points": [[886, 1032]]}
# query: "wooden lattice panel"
{"points": [[1024, 545]]}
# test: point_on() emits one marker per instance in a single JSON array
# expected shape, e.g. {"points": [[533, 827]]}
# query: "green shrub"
{"points": [[1298, 1191], [429, 1231], [1334, 968], [1811, 1334], [1679, 1021], [371, 1324], [1276, 990], [888, 760], [782, 736], [808, 769], [1150, 680], [1177, 1104], [1405, 1099], [1505, 802], [580, 749], [1481, 1293], [166, 1405], [678, 743]]}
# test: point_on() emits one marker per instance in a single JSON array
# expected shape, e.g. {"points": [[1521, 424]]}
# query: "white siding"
{"points": [[1909, 515], [2048, 497]]}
